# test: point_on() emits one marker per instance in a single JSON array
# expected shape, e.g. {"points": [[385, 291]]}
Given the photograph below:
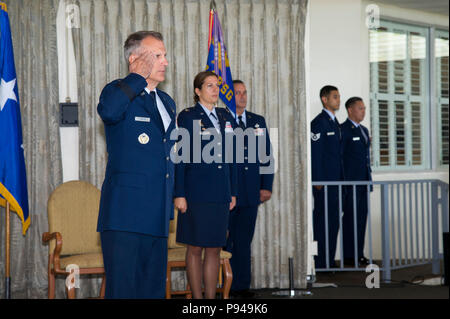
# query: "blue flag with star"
{"points": [[218, 61], [13, 179]]}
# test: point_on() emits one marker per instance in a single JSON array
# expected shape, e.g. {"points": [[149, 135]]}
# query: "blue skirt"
{"points": [[203, 225]]}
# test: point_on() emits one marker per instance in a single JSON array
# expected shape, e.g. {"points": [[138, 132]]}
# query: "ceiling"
{"points": [[432, 6]]}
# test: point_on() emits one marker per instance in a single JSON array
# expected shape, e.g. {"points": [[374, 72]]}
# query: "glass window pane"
{"points": [[383, 119], [418, 53], [416, 143], [442, 87], [444, 134], [399, 91], [400, 132], [441, 55]]}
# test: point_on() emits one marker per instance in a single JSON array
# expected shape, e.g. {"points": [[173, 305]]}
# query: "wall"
{"points": [[67, 89]]}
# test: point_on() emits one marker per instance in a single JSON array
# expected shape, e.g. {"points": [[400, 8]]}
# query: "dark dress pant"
{"points": [[135, 265], [361, 221], [320, 225], [241, 231]]}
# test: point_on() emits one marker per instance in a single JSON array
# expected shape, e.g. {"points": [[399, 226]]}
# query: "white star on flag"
{"points": [[7, 92]]}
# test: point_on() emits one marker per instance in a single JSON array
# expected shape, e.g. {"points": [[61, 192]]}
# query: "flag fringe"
{"points": [[14, 207]]}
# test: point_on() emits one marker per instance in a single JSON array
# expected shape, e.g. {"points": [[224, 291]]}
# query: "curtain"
{"points": [[33, 32], [265, 42]]}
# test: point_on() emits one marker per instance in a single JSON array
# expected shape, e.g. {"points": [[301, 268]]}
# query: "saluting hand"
{"points": [[142, 64], [181, 204]]}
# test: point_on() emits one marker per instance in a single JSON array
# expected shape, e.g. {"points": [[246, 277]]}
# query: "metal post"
{"points": [[355, 232], [369, 217], [326, 228], [416, 196], [422, 197], [291, 277], [399, 222], [444, 206], [405, 225], [385, 235], [394, 243], [7, 252], [341, 238], [435, 229]]}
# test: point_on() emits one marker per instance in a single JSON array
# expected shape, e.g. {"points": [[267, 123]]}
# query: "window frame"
{"points": [[407, 98], [438, 100]]}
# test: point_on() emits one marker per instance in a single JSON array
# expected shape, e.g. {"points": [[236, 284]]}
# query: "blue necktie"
{"points": [[155, 111], [364, 134], [241, 123]]}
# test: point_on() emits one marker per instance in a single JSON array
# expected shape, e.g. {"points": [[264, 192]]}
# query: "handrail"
{"points": [[412, 212]]}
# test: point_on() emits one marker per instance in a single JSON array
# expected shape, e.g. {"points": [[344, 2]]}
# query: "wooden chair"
{"points": [[72, 219], [177, 259]]}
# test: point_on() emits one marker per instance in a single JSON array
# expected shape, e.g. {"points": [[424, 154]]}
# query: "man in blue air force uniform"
{"points": [[326, 164], [136, 198], [254, 188], [356, 159]]}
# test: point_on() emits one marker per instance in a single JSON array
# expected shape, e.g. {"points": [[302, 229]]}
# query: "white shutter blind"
{"points": [[399, 118], [442, 88]]}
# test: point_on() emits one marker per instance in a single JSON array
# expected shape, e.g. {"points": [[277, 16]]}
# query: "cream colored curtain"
{"points": [[33, 29], [265, 42]]}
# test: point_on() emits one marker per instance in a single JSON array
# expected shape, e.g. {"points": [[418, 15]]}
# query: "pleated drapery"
{"points": [[265, 42], [33, 29]]}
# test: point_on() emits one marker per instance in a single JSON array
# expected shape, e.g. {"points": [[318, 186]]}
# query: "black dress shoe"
{"points": [[242, 294], [350, 262], [362, 262]]}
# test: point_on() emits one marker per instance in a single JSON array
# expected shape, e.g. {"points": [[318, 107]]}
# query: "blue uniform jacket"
{"points": [[139, 180], [205, 182], [355, 152], [250, 181], [326, 150]]}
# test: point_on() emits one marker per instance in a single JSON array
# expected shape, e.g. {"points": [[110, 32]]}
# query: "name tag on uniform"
{"points": [[330, 133], [141, 119], [356, 138]]}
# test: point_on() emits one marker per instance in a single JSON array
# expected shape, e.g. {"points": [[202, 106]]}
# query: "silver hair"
{"points": [[133, 42]]}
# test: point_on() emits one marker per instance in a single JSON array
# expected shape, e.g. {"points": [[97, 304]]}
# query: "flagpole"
{"points": [[7, 252]]}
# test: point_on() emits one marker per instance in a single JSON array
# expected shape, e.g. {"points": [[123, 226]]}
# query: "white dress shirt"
{"points": [[244, 118], [214, 119], [162, 109], [333, 117]]}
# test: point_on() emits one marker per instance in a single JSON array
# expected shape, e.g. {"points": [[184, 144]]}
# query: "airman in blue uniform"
{"points": [[254, 188], [356, 159], [137, 193], [205, 184], [326, 164]]}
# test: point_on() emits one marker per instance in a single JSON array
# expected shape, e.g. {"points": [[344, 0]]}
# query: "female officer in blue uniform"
{"points": [[205, 190]]}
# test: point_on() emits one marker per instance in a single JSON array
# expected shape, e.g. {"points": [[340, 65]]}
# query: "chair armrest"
{"points": [[46, 237]]}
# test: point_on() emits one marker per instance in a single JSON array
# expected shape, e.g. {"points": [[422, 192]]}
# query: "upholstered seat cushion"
{"points": [[179, 254], [94, 260]]}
